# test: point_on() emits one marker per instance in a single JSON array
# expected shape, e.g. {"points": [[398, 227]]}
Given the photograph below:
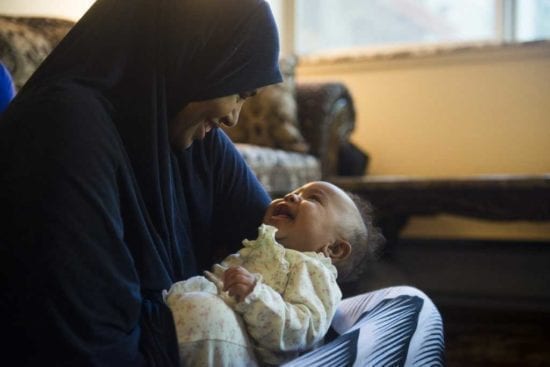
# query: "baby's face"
{"points": [[311, 217]]}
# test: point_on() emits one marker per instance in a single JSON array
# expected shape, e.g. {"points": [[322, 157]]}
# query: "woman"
{"points": [[115, 181], [114, 175]]}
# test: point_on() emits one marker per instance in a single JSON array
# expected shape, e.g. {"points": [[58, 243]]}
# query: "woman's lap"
{"points": [[396, 326]]}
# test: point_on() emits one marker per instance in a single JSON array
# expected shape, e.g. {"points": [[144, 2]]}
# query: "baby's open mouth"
{"points": [[282, 210]]}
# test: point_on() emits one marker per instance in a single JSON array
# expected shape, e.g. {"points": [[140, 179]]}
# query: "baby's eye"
{"points": [[316, 198]]}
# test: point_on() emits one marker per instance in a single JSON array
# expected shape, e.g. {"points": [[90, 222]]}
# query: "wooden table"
{"points": [[495, 197]]}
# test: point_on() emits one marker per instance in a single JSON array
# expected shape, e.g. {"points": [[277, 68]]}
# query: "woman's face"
{"points": [[196, 119]]}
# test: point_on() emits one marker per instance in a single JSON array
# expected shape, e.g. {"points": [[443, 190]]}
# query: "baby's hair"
{"points": [[366, 242]]}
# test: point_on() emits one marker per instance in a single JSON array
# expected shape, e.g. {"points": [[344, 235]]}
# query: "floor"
{"points": [[485, 338], [494, 297]]}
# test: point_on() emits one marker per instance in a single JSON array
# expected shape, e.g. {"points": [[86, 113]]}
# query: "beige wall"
{"points": [[457, 112]]}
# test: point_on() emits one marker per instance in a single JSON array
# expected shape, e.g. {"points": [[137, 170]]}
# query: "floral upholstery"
{"points": [[279, 170], [270, 118], [25, 42]]}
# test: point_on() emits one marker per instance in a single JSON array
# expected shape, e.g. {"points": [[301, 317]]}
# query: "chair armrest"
{"points": [[327, 118]]}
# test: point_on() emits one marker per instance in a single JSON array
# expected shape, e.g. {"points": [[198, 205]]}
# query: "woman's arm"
{"points": [[227, 199], [241, 200], [70, 291]]}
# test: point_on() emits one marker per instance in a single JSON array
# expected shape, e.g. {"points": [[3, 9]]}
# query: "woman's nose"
{"points": [[292, 197], [232, 120]]}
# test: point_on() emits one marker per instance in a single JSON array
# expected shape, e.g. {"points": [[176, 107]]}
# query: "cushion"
{"points": [[352, 161], [279, 170], [25, 42], [270, 118]]}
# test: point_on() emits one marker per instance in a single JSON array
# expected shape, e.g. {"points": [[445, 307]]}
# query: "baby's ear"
{"points": [[338, 251]]}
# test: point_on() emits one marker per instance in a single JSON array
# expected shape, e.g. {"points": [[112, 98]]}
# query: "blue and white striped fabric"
{"points": [[396, 326]]}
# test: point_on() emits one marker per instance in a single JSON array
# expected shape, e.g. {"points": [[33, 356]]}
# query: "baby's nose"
{"points": [[292, 197]]}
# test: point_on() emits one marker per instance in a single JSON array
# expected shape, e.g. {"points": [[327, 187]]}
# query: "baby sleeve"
{"points": [[284, 324]]}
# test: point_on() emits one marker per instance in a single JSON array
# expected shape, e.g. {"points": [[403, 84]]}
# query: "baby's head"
{"points": [[321, 217]]}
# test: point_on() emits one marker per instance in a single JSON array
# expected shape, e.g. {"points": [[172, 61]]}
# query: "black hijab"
{"points": [[99, 213], [150, 58]]}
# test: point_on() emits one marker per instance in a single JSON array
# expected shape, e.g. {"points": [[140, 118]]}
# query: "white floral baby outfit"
{"points": [[288, 312]]}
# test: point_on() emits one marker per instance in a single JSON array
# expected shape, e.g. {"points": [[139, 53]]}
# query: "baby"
{"points": [[283, 284]]}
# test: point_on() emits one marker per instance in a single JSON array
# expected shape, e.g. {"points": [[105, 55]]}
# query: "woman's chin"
{"points": [[187, 141], [201, 132]]}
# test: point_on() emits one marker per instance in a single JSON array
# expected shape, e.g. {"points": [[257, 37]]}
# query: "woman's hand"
{"points": [[238, 282]]}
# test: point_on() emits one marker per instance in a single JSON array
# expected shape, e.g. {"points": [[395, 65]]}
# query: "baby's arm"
{"points": [[298, 318]]}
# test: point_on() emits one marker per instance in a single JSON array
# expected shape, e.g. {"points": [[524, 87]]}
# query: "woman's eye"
{"points": [[245, 95]]}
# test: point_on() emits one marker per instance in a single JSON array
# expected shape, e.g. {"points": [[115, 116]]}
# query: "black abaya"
{"points": [[100, 214]]}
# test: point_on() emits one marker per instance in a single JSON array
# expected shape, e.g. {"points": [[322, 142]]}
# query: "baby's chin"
{"points": [[278, 232], [270, 222], [280, 239]]}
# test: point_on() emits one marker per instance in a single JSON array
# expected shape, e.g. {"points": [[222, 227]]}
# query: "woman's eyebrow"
{"points": [[251, 93]]}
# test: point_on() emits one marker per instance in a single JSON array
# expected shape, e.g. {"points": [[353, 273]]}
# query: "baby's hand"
{"points": [[238, 282]]}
